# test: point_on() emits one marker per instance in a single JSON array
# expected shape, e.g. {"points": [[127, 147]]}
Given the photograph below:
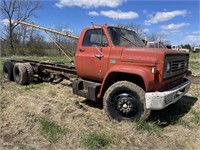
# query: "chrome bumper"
{"points": [[160, 100]]}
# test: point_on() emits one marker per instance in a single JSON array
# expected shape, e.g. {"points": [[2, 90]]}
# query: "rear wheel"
{"points": [[20, 73], [125, 101], [30, 73], [8, 70]]}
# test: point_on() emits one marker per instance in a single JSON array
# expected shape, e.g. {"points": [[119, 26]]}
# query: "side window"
{"points": [[95, 37]]}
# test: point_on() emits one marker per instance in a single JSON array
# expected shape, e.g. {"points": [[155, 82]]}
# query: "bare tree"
{"points": [[155, 36], [136, 27], [24, 33], [68, 43], [17, 10]]}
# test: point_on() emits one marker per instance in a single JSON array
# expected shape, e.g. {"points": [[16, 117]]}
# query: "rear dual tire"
{"points": [[20, 73], [23, 73], [30, 73], [8, 70]]}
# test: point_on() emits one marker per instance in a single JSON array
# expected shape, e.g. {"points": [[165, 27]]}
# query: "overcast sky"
{"points": [[178, 19]]}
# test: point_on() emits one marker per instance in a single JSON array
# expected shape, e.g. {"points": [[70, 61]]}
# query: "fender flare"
{"points": [[143, 72]]}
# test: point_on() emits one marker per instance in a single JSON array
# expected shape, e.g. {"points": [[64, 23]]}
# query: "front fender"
{"points": [[144, 72]]}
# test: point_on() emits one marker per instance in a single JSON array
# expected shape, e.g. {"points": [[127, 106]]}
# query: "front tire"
{"points": [[125, 101]]}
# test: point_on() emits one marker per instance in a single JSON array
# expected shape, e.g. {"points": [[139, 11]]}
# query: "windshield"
{"points": [[124, 37]]}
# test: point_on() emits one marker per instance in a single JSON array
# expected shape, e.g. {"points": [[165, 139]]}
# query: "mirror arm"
{"points": [[101, 54]]}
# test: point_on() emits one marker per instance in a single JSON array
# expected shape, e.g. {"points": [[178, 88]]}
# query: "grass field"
{"points": [[44, 116]]}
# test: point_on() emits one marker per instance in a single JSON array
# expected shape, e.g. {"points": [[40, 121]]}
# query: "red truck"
{"points": [[112, 64]]}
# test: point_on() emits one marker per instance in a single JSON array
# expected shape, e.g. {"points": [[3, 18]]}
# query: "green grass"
{"points": [[3, 103], [151, 127], [95, 140], [51, 131], [196, 116], [194, 56], [181, 122], [194, 65], [1, 68], [32, 86], [51, 59], [195, 90]]}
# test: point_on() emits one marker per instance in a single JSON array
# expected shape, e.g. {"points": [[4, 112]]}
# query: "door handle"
{"points": [[99, 56], [81, 49]]}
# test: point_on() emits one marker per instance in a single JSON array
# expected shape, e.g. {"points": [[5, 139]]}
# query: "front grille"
{"points": [[177, 64]]}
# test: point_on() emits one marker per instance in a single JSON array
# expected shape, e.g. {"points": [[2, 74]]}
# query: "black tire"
{"points": [[8, 70], [125, 101], [20, 73], [30, 73]]}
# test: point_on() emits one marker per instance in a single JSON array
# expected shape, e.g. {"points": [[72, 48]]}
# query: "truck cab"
{"points": [[114, 65]]}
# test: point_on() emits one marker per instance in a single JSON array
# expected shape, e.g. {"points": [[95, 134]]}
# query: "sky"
{"points": [[179, 20]]}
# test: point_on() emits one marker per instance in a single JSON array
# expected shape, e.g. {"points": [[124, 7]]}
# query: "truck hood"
{"points": [[146, 55]]}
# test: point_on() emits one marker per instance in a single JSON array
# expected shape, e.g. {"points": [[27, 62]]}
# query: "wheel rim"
{"points": [[126, 105]]}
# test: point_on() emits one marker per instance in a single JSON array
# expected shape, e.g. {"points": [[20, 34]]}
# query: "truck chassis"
{"points": [[41, 69], [24, 71]]}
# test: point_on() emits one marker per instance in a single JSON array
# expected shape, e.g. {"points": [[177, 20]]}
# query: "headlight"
{"points": [[168, 67]]}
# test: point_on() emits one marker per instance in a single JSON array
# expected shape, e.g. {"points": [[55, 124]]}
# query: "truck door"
{"points": [[93, 55]]}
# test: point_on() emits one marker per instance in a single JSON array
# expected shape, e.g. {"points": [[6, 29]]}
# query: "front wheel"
{"points": [[125, 101]]}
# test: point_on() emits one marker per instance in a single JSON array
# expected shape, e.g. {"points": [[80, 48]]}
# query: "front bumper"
{"points": [[160, 100]]}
